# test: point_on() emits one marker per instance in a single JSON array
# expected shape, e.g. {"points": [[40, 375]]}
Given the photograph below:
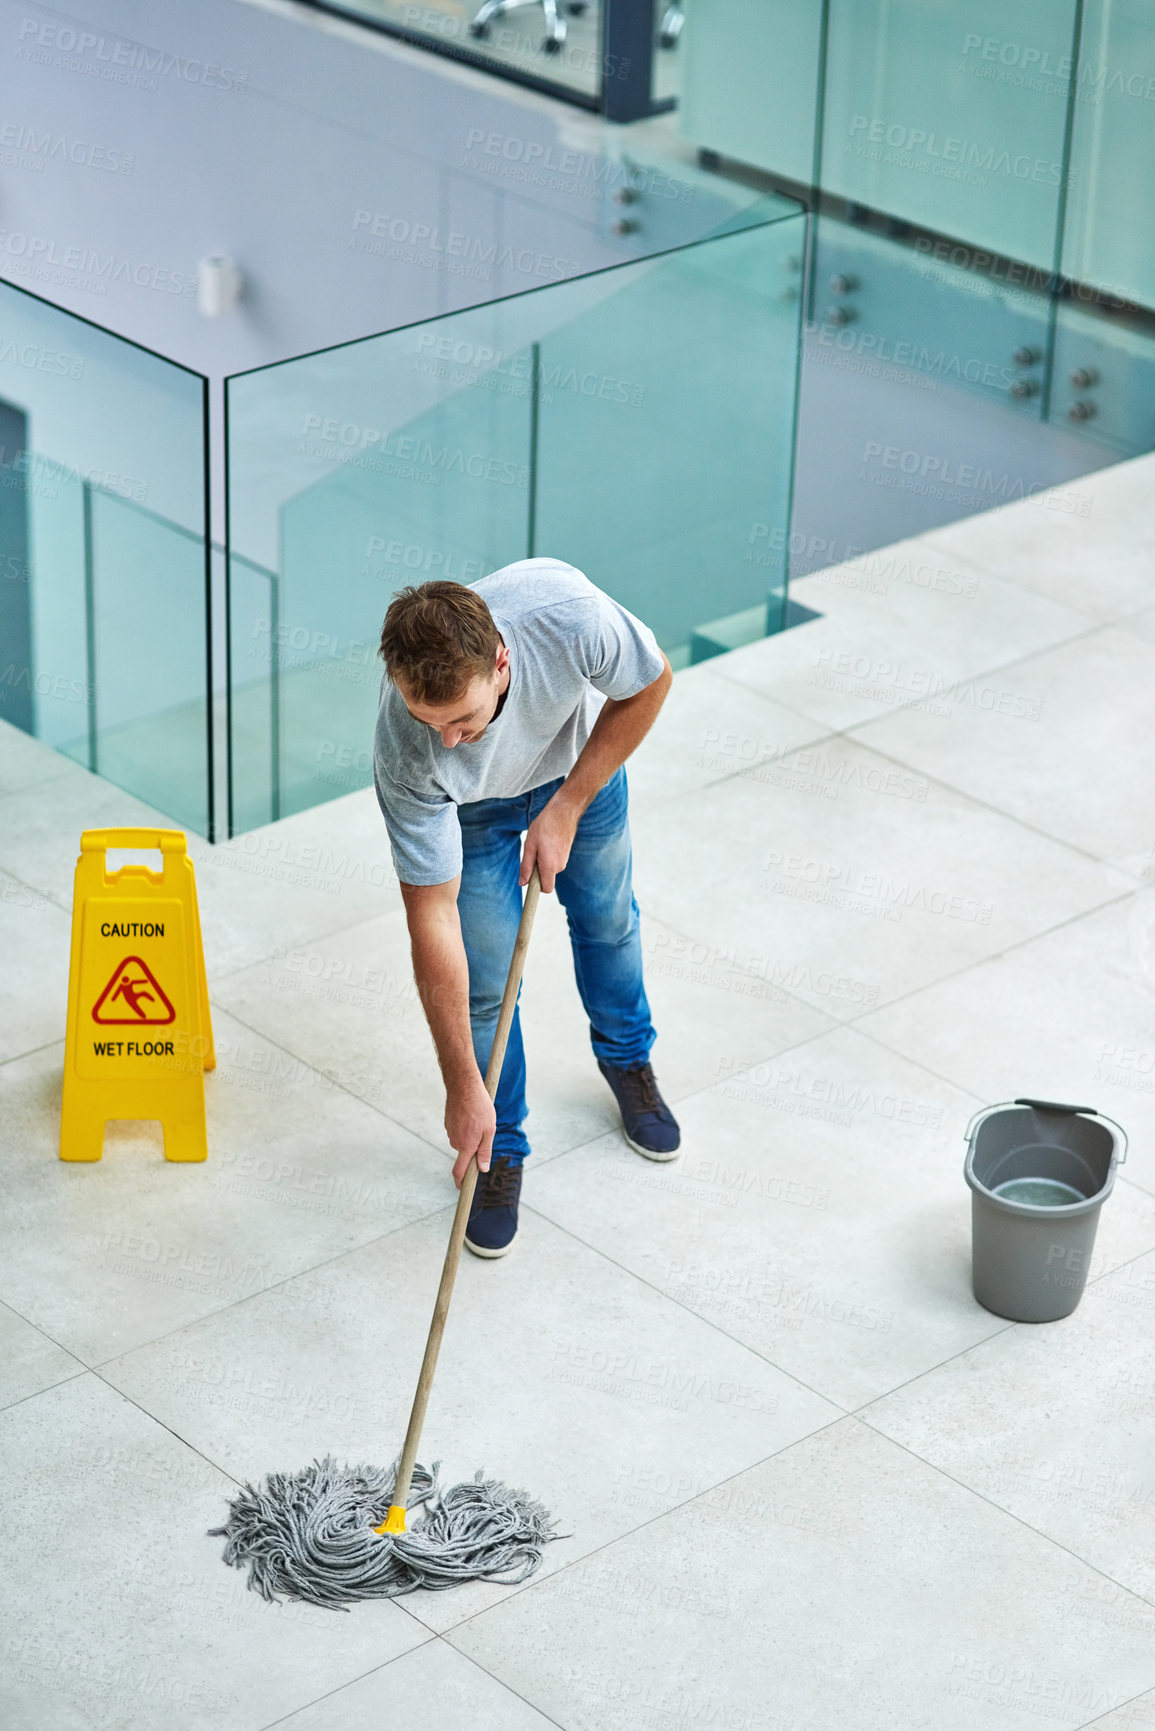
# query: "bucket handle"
{"points": [[1050, 1106]]}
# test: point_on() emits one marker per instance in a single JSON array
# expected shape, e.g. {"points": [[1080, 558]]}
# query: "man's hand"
{"points": [[548, 841], [470, 1121]]}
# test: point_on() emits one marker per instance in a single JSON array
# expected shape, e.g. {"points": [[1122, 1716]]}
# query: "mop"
{"points": [[312, 1535]]}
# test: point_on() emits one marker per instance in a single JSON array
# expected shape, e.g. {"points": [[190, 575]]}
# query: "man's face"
{"points": [[466, 719]]}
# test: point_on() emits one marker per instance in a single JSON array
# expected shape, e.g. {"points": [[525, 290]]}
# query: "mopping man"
{"points": [[510, 706]]}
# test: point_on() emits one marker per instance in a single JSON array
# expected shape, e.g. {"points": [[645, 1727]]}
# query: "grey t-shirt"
{"points": [[570, 647]]}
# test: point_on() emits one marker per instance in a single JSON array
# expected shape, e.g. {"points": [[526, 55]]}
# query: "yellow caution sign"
{"points": [[139, 1034]]}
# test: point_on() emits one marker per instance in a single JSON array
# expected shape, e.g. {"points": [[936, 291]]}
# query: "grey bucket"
{"points": [[1030, 1248]]}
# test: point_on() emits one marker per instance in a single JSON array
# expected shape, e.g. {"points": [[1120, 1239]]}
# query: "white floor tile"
{"points": [[710, 727], [117, 1609], [348, 1005], [107, 1254], [559, 1373], [294, 881], [1052, 741], [891, 883], [34, 943], [41, 830], [818, 1214], [1135, 1715], [431, 1688], [1066, 1016], [842, 1583], [1054, 1422], [27, 762], [29, 1361], [1088, 545], [897, 625]]}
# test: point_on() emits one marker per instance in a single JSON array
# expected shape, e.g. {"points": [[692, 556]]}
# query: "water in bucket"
{"points": [[1039, 1192]]}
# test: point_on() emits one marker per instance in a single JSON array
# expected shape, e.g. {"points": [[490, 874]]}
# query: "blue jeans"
{"points": [[596, 892]]}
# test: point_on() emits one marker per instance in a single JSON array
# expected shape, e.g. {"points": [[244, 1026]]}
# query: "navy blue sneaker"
{"points": [[492, 1225], [647, 1122]]}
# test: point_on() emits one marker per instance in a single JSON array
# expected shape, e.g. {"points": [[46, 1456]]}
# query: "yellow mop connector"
{"points": [[394, 1521]]}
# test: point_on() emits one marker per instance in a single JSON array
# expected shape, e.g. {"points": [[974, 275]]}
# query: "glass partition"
{"points": [[102, 531], [939, 115], [1025, 133], [1108, 236], [637, 423]]}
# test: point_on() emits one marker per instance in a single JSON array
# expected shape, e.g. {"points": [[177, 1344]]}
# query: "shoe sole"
{"points": [[651, 1153], [482, 1250]]}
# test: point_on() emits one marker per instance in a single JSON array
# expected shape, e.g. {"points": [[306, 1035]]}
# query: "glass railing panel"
{"points": [[102, 521], [663, 451], [254, 693], [1108, 236], [351, 474], [147, 606], [452, 448], [952, 117], [749, 82], [888, 311]]}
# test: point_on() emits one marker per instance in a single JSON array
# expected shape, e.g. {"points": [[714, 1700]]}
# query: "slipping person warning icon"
{"points": [[132, 998]]}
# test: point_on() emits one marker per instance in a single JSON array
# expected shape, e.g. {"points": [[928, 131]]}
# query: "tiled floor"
{"points": [[893, 865]]}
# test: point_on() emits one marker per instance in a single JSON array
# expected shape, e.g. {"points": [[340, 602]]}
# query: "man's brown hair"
{"points": [[439, 638]]}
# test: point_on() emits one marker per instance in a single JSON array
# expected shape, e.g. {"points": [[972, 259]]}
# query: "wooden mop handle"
{"points": [[461, 1218]]}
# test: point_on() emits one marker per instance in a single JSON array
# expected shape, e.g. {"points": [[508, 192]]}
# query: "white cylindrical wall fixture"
{"points": [[219, 284]]}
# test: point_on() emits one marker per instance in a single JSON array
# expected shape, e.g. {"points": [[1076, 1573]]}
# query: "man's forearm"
{"points": [[441, 971], [621, 726]]}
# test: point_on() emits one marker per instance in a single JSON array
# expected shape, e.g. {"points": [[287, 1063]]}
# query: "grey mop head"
{"points": [[309, 1535]]}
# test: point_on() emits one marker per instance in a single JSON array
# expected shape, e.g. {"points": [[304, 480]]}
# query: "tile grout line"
{"points": [[264, 1291], [47, 1389], [433, 1637], [153, 1419], [994, 956], [986, 805], [661, 1515], [667, 1297], [373, 1670], [983, 672], [350, 1093], [1009, 1514], [1105, 1718], [310, 938]]}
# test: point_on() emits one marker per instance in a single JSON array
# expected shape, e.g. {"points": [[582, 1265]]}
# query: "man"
{"points": [[506, 706]]}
